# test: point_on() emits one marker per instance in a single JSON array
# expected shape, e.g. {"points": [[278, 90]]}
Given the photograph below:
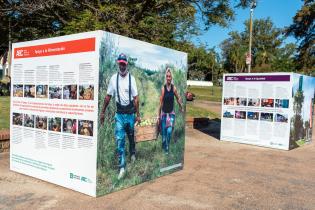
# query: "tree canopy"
{"points": [[170, 23], [159, 21], [267, 39], [303, 28]]}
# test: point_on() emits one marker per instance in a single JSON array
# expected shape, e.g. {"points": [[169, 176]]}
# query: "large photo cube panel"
{"points": [[60, 129]]}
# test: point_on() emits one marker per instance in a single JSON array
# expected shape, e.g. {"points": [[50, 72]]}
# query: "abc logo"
{"points": [[19, 53], [231, 78]]}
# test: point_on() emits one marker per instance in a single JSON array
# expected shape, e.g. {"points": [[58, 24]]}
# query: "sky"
{"points": [[148, 55], [281, 13]]}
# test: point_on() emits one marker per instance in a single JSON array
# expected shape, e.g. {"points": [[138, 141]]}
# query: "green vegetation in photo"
{"points": [[303, 99], [149, 157], [300, 142], [4, 112]]}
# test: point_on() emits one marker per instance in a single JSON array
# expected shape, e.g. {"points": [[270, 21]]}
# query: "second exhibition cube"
{"points": [[268, 109]]}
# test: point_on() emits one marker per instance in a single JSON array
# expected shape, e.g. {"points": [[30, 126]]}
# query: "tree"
{"points": [[169, 23], [233, 51], [284, 59], [202, 62], [32, 19], [297, 133], [159, 21], [267, 40], [302, 28]]}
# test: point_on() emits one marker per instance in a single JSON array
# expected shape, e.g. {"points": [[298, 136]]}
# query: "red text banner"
{"points": [[58, 48]]}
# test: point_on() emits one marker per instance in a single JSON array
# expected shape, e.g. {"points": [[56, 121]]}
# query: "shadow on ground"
{"points": [[208, 126]]}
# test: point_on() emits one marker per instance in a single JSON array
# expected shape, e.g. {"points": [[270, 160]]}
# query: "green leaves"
{"points": [[170, 23], [161, 21], [267, 40], [284, 59], [302, 28]]}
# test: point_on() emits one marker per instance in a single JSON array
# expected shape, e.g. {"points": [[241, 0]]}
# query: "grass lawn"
{"points": [[193, 111], [207, 93], [4, 112]]}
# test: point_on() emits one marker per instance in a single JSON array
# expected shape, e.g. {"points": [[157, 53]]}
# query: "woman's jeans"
{"points": [[167, 129]]}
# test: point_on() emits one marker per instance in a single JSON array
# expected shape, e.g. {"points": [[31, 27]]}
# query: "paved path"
{"points": [[216, 175]]}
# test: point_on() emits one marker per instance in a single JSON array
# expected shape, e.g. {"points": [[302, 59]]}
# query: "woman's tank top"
{"points": [[168, 100]]}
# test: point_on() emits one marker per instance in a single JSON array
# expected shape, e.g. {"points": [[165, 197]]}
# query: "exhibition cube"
{"points": [[268, 109], [88, 111]]}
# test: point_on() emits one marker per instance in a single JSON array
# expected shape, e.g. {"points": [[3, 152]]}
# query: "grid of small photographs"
{"points": [[70, 92], [282, 103], [229, 112], [251, 115], [41, 122], [29, 120], [66, 92], [29, 91], [267, 102], [42, 91], [240, 115], [86, 92], [253, 102], [17, 119], [85, 128], [241, 101], [283, 118], [56, 124], [69, 125], [55, 92], [17, 90], [256, 102], [265, 116]]}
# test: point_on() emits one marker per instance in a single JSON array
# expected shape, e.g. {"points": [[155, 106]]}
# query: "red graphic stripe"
{"points": [[59, 48]]}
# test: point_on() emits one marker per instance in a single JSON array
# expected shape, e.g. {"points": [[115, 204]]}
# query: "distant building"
{"points": [[199, 83]]}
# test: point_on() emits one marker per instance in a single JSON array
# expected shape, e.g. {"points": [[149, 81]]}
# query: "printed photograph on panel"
{"points": [[141, 133], [303, 108]]}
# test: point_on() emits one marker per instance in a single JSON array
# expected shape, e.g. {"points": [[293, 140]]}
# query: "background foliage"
{"points": [[173, 24]]}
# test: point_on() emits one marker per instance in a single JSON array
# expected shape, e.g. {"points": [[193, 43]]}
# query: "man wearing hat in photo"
{"points": [[122, 86]]}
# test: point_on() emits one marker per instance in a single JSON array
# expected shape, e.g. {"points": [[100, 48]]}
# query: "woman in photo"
{"points": [[166, 109]]}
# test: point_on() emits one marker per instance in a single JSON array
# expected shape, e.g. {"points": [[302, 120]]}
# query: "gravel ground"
{"points": [[216, 175]]}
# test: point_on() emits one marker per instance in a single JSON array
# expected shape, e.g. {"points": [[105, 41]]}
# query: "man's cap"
{"points": [[122, 58]]}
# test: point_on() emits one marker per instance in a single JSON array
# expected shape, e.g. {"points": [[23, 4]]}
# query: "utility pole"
{"points": [[252, 6]]}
